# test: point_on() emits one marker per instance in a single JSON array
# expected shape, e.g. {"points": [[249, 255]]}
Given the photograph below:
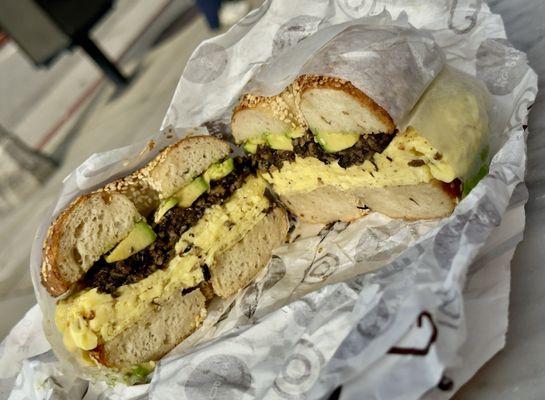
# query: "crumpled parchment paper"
{"points": [[420, 326]]}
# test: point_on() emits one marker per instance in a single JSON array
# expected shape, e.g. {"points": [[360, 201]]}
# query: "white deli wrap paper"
{"points": [[420, 326]]}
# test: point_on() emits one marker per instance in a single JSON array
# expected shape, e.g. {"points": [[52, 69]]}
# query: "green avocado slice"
{"points": [[279, 142], [163, 208], [250, 147], [140, 237], [139, 373], [219, 170], [333, 142], [296, 133], [191, 192], [251, 144]]}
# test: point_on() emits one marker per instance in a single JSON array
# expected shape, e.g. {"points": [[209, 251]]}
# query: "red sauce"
{"points": [[98, 355], [453, 189]]}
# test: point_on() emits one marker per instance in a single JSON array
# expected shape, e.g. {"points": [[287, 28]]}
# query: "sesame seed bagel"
{"points": [[89, 227], [321, 103], [92, 224], [139, 259], [330, 104], [181, 162], [255, 115]]}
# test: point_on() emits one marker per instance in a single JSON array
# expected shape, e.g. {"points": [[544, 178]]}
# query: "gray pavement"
{"points": [[39, 104]]}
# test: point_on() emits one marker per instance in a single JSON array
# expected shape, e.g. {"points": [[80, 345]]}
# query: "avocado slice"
{"points": [[279, 142], [140, 237], [219, 170], [258, 139], [250, 147], [296, 133], [251, 144], [333, 142], [139, 372], [163, 208], [191, 192]]}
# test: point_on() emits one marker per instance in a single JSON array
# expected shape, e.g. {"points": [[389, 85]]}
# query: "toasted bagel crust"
{"points": [[66, 255], [181, 162], [410, 202], [151, 337], [309, 82]]}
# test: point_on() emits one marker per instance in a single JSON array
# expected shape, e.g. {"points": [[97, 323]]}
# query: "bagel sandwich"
{"points": [[330, 152], [135, 263]]}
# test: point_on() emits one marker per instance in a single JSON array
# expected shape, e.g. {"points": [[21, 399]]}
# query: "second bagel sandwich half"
{"points": [[137, 261]]}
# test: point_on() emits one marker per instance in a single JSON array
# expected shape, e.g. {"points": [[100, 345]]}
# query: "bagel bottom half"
{"points": [[411, 202], [155, 334]]}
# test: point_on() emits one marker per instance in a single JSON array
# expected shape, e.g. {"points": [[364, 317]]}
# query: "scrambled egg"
{"points": [[444, 136], [391, 167], [88, 318], [233, 219]]}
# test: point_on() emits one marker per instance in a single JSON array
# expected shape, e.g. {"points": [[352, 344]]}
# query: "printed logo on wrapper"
{"points": [[526, 101], [420, 338], [275, 272], [300, 371], [474, 223], [207, 63], [450, 309], [376, 244], [293, 31], [459, 21], [398, 265], [337, 227], [447, 240], [500, 66], [369, 327], [219, 377], [303, 311], [321, 269], [249, 301], [484, 217], [220, 129], [358, 8]]}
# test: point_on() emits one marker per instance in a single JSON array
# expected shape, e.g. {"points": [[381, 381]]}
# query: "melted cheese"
{"points": [[89, 318], [391, 167]]}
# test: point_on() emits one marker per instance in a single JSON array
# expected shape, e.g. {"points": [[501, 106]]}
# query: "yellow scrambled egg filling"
{"points": [[88, 318], [409, 159]]}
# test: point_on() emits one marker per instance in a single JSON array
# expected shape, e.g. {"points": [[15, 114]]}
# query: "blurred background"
{"points": [[76, 78]]}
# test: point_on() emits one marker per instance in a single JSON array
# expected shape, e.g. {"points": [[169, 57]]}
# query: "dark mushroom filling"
{"points": [[305, 146], [108, 277]]}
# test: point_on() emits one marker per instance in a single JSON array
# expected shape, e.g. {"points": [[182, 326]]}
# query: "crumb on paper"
{"points": [[149, 146]]}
